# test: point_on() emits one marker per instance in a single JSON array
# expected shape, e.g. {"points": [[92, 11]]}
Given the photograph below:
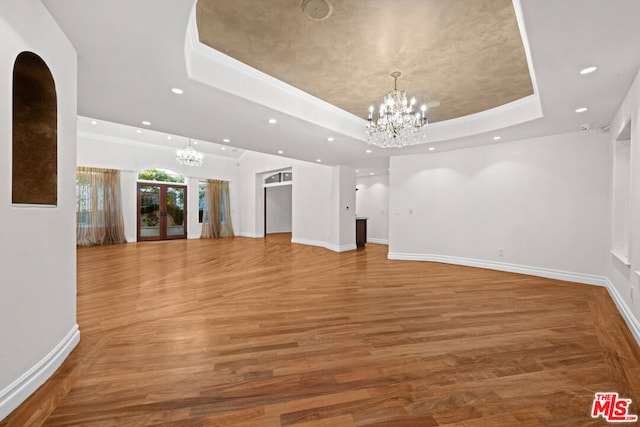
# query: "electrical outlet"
{"points": [[500, 252]]}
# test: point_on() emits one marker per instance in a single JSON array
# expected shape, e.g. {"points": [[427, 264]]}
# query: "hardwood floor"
{"points": [[260, 332]]}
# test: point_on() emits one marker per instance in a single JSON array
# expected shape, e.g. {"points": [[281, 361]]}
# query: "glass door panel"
{"points": [[175, 212], [162, 213], [149, 212]]}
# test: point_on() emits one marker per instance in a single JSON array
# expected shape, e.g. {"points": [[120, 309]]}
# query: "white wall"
{"points": [[372, 201], [316, 195], [626, 278], [344, 198], [543, 201], [279, 209], [37, 249], [131, 157]]}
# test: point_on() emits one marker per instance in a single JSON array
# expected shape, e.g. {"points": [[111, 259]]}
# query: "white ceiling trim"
{"points": [[517, 7], [151, 146], [511, 114]]}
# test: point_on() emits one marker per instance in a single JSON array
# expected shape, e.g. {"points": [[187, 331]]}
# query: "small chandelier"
{"points": [[398, 124], [188, 156]]}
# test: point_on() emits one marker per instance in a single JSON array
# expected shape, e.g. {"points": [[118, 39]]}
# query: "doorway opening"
{"points": [[278, 202]]}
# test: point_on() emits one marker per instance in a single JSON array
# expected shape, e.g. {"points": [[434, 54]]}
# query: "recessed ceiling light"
{"points": [[357, 170], [330, 139], [370, 173], [168, 137], [368, 151], [280, 152], [497, 138], [318, 160], [226, 140], [581, 110], [224, 148], [431, 148], [273, 121], [139, 131], [93, 122], [195, 142], [146, 123], [588, 70], [177, 91]]}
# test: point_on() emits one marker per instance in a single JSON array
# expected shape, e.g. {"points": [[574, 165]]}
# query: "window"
{"points": [[84, 203], [35, 133], [278, 177], [99, 219], [201, 186], [161, 175]]}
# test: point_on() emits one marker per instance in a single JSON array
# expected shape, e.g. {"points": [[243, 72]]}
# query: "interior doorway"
{"points": [[162, 211], [278, 203]]}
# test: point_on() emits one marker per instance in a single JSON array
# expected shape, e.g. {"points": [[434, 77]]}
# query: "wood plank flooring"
{"points": [[261, 332]]}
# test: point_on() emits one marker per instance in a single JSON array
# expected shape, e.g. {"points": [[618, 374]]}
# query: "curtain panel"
{"points": [[99, 219], [216, 220]]}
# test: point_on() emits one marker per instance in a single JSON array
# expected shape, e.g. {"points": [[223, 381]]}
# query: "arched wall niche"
{"points": [[35, 133]]}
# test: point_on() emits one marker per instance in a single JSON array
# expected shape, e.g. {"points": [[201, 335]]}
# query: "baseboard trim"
{"points": [[510, 268], [251, 235], [334, 248], [625, 311], [18, 391], [378, 241], [279, 230]]}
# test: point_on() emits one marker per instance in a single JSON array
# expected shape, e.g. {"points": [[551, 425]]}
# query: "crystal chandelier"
{"points": [[188, 156], [398, 124]]}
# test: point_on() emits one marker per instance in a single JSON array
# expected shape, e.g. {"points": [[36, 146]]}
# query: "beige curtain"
{"points": [[99, 218], [216, 220]]}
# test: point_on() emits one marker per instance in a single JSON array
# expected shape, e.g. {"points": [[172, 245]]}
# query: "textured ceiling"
{"points": [[466, 55]]}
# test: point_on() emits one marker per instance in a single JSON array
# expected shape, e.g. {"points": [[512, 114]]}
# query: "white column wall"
{"points": [[543, 202], [625, 279], [316, 218], [130, 157], [372, 201], [345, 182], [37, 246]]}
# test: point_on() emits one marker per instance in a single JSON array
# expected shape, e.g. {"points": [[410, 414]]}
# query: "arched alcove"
{"points": [[35, 133]]}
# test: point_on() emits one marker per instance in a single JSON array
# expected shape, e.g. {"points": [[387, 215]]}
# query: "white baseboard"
{"points": [[279, 230], [588, 279], [17, 392], [631, 321], [252, 235], [501, 266], [378, 241], [331, 247]]}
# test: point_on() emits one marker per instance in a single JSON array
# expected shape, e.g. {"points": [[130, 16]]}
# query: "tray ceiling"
{"points": [[465, 56]]}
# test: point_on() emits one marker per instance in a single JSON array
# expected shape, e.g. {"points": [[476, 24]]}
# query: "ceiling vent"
{"points": [[317, 10]]}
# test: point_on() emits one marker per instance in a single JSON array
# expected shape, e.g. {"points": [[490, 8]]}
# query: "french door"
{"points": [[162, 211]]}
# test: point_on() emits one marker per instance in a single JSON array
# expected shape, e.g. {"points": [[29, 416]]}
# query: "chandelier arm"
{"points": [[398, 124]]}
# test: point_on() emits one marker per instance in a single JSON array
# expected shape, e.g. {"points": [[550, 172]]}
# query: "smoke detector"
{"points": [[317, 10]]}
